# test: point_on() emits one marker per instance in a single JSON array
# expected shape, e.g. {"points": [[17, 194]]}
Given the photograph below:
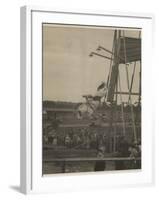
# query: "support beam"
{"points": [[115, 66], [97, 54], [127, 93]]}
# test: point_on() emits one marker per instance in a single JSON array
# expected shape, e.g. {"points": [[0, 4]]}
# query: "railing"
{"points": [[65, 160]]}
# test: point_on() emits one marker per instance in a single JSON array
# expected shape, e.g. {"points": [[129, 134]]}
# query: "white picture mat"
{"points": [[65, 182]]}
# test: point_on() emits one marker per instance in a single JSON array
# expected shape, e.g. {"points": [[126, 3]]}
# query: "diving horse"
{"points": [[92, 102]]}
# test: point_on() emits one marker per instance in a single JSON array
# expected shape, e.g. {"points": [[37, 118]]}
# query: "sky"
{"points": [[68, 70]]}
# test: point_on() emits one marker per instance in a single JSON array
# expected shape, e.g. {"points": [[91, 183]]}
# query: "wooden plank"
{"points": [[132, 48], [127, 93], [103, 56], [90, 159], [59, 109]]}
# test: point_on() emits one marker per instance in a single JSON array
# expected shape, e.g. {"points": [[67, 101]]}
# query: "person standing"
{"points": [[122, 152], [100, 164], [67, 141], [133, 154]]}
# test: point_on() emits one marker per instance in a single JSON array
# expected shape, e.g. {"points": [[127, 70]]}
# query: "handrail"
{"points": [[91, 159]]}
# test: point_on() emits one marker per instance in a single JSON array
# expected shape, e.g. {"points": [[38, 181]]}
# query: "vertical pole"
{"points": [[139, 99], [114, 70], [122, 107], [113, 80], [132, 80], [115, 126], [131, 106]]}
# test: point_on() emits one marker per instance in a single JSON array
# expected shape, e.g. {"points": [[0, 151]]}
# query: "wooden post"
{"points": [[115, 66], [63, 166]]}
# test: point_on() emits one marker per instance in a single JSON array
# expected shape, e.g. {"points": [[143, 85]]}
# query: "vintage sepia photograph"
{"points": [[91, 98]]}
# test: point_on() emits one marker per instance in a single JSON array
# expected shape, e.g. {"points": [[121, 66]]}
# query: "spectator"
{"points": [[50, 139], [123, 147], [54, 141], [122, 152], [68, 141], [133, 154], [133, 151], [100, 164], [45, 139]]}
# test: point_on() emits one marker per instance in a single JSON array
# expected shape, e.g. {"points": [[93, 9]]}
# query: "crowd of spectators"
{"points": [[80, 138], [90, 138], [98, 140]]}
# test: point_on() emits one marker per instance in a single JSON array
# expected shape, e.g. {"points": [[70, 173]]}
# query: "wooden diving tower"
{"points": [[126, 51]]}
